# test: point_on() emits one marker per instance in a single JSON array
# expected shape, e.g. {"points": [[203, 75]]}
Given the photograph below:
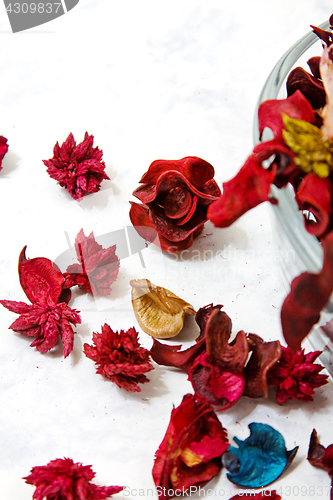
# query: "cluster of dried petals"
{"points": [[296, 375], [190, 452], [97, 269], [77, 167], [48, 317], [175, 195], [3, 148], [120, 357], [62, 479], [222, 372], [159, 312]]}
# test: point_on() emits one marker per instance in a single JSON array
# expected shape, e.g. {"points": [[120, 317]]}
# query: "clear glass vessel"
{"points": [[297, 249]]}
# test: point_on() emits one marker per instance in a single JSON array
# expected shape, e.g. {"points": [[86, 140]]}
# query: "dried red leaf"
{"points": [[46, 318], [308, 295], [263, 357], [190, 452], [3, 149], [120, 357], [258, 496], [296, 375], [78, 168], [62, 479], [314, 195], [175, 195], [98, 267]]}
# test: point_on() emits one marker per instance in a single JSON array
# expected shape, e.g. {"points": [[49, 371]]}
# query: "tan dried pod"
{"points": [[159, 312]]}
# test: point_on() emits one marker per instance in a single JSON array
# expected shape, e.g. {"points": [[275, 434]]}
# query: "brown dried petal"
{"points": [[264, 356], [159, 312]]}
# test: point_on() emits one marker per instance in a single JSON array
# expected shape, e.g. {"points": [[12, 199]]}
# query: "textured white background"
{"points": [[149, 79]]}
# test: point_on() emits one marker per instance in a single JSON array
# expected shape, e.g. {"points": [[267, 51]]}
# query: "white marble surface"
{"points": [[149, 80]]}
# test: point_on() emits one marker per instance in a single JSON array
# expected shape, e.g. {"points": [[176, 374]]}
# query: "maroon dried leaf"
{"points": [[62, 479], [296, 375], [171, 355], [264, 355], [309, 294], [321, 457], [98, 267], [78, 168], [311, 86], [120, 357]]}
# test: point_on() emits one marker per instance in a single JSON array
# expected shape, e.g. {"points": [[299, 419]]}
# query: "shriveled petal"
{"points": [[310, 86], [171, 355]]}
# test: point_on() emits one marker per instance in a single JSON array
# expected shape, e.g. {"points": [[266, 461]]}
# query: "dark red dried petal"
{"points": [[264, 355], [315, 195], [177, 202], [271, 494], [317, 452], [308, 296], [312, 88], [170, 355], [3, 149]]}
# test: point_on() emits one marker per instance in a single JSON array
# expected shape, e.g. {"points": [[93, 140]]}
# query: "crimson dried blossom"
{"points": [[190, 452], [3, 148], [260, 459], [48, 317], [120, 357], [97, 269], [77, 167], [296, 375], [62, 479], [174, 195]]}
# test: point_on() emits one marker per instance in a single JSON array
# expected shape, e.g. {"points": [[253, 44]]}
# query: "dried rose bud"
{"points": [[62, 479], [78, 168], [159, 312]]}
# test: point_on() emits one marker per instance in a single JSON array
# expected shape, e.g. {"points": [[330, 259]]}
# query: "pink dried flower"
{"points": [[62, 479], [97, 269], [46, 318], [296, 375], [3, 149], [78, 168], [120, 357]]}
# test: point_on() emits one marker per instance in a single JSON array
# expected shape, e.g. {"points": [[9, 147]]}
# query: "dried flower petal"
{"points": [[3, 149], [319, 456], [159, 312], [296, 375], [46, 318], [78, 168], [311, 86], [62, 479], [308, 295], [189, 453], [98, 267], [120, 357], [258, 460], [175, 195]]}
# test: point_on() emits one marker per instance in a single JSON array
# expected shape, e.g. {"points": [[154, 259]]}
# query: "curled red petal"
{"points": [[272, 494], [196, 170], [309, 293], [3, 148], [246, 190], [40, 279], [311, 86], [315, 196], [171, 355]]}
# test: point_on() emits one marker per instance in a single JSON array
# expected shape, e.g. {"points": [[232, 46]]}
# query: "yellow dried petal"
{"points": [[159, 312]]}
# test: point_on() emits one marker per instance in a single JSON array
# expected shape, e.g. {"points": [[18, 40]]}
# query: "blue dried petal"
{"points": [[262, 457]]}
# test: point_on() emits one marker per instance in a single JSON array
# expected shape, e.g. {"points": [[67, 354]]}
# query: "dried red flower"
{"points": [[190, 452], [78, 168], [97, 269], [296, 375], [321, 457], [175, 195], [46, 318], [120, 357], [62, 479], [3, 149]]}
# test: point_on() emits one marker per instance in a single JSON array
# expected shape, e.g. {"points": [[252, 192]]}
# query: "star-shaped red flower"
{"points": [[78, 168]]}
